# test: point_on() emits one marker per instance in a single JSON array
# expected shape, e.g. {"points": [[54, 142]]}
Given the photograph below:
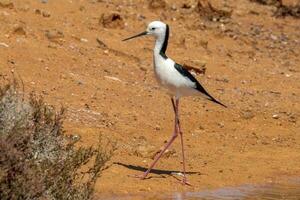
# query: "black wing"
{"points": [[199, 87]]}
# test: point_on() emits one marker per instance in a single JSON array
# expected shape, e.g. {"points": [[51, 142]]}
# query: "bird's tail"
{"points": [[216, 101]]}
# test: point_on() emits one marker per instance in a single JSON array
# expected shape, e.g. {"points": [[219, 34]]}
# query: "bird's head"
{"points": [[155, 28]]}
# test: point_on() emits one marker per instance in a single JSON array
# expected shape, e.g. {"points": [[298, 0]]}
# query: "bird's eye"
{"points": [[152, 28]]}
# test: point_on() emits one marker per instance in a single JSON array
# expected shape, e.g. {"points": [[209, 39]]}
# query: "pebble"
{"points": [[221, 124], [19, 30], [83, 40], [4, 44], [288, 75], [37, 11], [225, 80], [275, 116], [156, 4], [168, 153], [157, 127], [247, 114], [274, 37], [52, 46], [54, 35], [174, 7], [113, 78], [143, 68], [46, 14], [222, 27]]}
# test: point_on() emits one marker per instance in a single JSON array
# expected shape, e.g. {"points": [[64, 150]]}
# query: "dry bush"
{"points": [[281, 9], [268, 2], [209, 12], [288, 10], [37, 161]]}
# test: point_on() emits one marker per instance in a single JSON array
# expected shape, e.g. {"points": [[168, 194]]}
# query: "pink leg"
{"points": [[175, 134], [184, 181]]}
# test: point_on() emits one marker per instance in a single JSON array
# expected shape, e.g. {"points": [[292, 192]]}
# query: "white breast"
{"points": [[170, 78]]}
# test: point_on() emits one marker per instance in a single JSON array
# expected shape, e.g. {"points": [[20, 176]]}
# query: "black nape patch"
{"points": [[165, 44]]}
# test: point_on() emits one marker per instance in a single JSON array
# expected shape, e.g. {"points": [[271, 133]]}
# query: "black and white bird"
{"points": [[177, 80]]}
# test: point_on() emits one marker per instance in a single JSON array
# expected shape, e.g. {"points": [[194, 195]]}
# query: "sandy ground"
{"points": [[71, 53]]}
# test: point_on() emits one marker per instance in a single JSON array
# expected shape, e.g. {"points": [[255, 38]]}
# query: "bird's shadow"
{"points": [[155, 171]]}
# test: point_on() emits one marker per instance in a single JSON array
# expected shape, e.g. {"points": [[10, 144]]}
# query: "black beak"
{"points": [[138, 35]]}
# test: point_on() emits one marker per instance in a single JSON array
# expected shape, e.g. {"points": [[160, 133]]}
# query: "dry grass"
{"points": [[37, 161]]}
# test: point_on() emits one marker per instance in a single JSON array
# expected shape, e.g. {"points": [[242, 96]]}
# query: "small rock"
{"points": [[82, 8], [19, 30], [54, 35], [186, 6], [221, 124], [247, 114], [112, 20], [225, 80], [173, 7], [143, 68], [157, 4], [293, 118], [37, 11], [223, 27], [46, 14], [79, 82], [2, 44], [83, 40], [275, 116], [204, 44], [140, 17], [74, 137], [288, 75], [168, 153], [6, 4], [274, 37], [52, 46], [157, 127], [113, 78]]}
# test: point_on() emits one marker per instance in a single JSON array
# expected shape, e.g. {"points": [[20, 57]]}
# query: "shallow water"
{"points": [[287, 191]]}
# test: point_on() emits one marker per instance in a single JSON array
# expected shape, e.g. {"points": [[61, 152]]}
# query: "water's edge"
{"points": [[289, 190]]}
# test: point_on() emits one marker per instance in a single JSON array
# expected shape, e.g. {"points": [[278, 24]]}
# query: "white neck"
{"points": [[158, 44]]}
